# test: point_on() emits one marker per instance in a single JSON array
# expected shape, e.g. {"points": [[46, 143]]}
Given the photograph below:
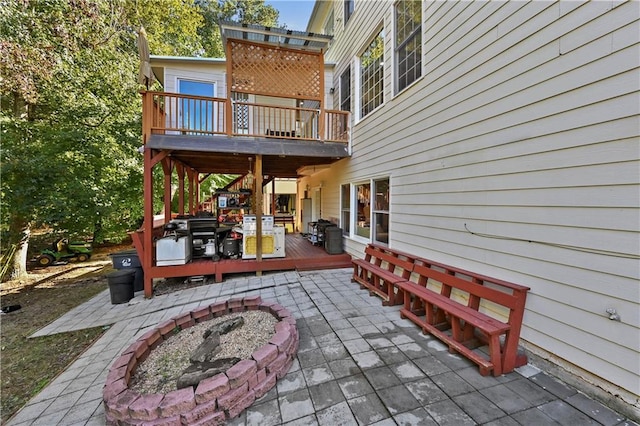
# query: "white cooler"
{"points": [[170, 251]]}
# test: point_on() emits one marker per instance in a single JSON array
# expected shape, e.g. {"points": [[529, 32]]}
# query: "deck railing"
{"points": [[172, 113]]}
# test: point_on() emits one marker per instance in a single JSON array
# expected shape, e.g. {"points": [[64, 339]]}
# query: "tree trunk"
{"points": [[20, 255]]}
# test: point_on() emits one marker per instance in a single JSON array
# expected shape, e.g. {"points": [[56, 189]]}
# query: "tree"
{"points": [[243, 11], [173, 26], [71, 112]]}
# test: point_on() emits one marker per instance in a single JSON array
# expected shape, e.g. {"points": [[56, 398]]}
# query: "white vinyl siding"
{"points": [[524, 129]]}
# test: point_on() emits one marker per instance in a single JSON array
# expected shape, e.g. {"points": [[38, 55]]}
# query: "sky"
{"points": [[294, 13]]}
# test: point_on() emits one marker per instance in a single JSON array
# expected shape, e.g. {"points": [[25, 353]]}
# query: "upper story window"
{"points": [[408, 43], [348, 9], [345, 90], [372, 75], [328, 25]]}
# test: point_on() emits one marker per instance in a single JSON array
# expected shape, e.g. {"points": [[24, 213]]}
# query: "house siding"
{"points": [[184, 70], [524, 128]]}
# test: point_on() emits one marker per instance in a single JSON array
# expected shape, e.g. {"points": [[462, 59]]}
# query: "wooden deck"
{"points": [[301, 255]]}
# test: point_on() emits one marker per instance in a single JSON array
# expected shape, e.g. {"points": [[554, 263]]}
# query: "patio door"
{"points": [[198, 115]]}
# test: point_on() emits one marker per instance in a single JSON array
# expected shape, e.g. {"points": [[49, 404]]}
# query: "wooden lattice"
{"points": [[275, 71]]}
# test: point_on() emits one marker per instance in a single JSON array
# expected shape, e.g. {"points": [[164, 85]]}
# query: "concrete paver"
{"points": [[358, 363]]}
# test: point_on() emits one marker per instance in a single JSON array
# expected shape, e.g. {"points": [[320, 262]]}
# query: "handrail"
{"points": [[173, 113]]}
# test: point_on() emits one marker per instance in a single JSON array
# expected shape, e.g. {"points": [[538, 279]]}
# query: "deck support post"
{"points": [[259, 208], [180, 171], [167, 168], [147, 246]]}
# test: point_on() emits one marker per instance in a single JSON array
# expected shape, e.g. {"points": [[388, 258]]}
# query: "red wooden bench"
{"points": [[380, 270], [457, 313]]}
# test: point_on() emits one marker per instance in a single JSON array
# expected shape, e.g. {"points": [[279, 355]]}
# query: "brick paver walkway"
{"points": [[358, 364]]}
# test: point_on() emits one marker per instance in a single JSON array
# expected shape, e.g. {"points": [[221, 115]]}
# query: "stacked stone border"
{"points": [[215, 399]]}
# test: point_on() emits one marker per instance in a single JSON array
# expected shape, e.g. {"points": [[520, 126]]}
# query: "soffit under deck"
{"points": [[230, 155]]}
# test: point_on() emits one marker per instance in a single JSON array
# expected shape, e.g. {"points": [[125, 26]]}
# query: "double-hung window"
{"points": [[349, 5], [345, 90], [408, 43], [380, 225], [365, 210], [372, 75], [345, 209]]}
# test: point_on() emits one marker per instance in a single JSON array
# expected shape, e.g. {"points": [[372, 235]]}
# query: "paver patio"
{"points": [[358, 363]]}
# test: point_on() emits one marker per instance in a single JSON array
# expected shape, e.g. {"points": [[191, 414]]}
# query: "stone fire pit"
{"points": [[213, 400]]}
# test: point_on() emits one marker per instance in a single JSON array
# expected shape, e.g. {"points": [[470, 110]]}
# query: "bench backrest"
{"points": [[394, 262], [477, 288]]}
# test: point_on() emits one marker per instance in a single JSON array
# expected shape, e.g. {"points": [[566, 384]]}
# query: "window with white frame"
{"points": [[345, 90], [380, 223], [372, 75], [345, 209], [363, 210], [328, 25], [349, 5], [408, 42], [365, 206]]}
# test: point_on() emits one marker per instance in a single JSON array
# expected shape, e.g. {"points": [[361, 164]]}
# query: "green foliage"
{"points": [[70, 131], [244, 11], [172, 25], [71, 113]]}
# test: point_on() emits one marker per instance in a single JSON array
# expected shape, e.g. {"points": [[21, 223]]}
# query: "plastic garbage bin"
{"points": [[121, 285], [128, 259], [333, 240]]}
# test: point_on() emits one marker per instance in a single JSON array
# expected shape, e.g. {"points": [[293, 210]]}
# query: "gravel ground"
{"points": [[160, 371]]}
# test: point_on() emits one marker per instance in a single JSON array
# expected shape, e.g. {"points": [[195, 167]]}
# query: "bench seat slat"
{"points": [[389, 273], [484, 363], [380, 270], [479, 290], [492, 327], [484, 322]]}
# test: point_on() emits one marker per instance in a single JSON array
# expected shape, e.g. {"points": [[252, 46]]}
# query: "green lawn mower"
{"points": [[64, 250]]}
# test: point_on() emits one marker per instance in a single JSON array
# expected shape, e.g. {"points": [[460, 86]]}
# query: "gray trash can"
{"points": [[121, 285], [128, 259], [333, 240]]}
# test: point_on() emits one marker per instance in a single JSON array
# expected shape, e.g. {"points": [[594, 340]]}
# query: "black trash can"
{"points": [[333, 240], [121, 285], [128, 259]]}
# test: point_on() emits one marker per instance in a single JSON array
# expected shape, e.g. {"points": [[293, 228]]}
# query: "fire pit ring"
{"points": [[215, 399]]}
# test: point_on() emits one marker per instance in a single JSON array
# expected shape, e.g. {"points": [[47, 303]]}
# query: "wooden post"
{"points": [[258, 193], [273, 196], [190, 173], [196, 185], [147, 115], [167, 168], [321, 119], [180, 170], [147, 251], [228, 119]]}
